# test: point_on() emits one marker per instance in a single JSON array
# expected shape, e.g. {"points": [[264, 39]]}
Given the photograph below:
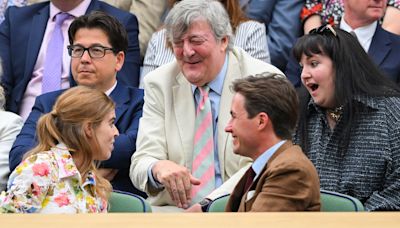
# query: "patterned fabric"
{"points": [[331, 11], [203, 155], [370, 168], [49, 182], [250, 36]]}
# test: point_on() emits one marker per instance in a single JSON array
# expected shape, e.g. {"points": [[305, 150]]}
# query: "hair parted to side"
{"points": [[115, 31], [65, 124], [274, 95], [184, 13]]}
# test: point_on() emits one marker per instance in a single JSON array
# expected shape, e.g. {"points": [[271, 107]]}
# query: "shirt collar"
{"points": [[364, 34], [76, 12], [66, 165], [109, 91], [262, 160], [217, 84]]}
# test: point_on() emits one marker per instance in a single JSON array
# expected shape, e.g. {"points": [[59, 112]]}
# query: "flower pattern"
{"points": [[49, 182]]}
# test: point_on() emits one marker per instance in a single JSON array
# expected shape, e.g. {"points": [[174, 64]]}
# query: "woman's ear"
{"points": [[88, 128]]}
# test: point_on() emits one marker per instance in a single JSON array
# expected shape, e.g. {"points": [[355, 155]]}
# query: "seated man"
{"points": [[33, 46], [98, 45], [169, 164], [263, 117]]}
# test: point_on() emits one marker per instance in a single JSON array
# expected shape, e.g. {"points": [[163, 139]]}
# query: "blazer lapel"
{"points": [[185, 115], [37, 30], [232, 73], [380, 46], [120, 96]]}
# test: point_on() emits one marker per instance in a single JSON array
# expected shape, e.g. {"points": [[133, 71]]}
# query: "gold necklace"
{"points": [[336, 113]]}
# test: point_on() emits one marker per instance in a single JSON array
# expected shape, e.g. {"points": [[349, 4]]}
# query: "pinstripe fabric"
{"points": [[250, 36], [203, 152], [370, 169]]}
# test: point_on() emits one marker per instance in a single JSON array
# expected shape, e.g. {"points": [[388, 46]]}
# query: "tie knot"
{"points": [[61, 17], [204, 90]]}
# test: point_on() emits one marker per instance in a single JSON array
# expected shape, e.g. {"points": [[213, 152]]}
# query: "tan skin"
{"points": [[66, 5]]}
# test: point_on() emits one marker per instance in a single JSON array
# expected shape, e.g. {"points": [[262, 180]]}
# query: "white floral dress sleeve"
{"points": [[29, 184]]}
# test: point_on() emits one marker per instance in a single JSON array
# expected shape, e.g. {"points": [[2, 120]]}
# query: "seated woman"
{"points": [[249, 35], [349, 122], [59, 175]]}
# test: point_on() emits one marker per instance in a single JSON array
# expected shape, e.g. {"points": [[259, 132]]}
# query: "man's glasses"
{"points": [[76, 51], [323, 30]]}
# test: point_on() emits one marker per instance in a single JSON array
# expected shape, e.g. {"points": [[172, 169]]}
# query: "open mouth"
{"points": [[314, 87]]}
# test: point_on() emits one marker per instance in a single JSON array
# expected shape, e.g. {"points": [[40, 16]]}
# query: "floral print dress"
{"points": [[49, 182]]}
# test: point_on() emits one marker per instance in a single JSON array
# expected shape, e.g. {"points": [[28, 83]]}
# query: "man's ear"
{"points": [[263, 120], [88, 128], [120, 59]]}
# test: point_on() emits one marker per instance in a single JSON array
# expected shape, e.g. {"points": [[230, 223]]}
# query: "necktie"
{"points": [[203, 154], [53, 60], [250, 177]]}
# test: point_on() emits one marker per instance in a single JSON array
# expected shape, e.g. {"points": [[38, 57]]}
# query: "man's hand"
{"points": [[109, 174], [194, 208], [177, 180]]}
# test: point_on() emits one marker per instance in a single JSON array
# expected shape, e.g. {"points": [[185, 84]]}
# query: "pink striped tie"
{"points": [[203, 154]]}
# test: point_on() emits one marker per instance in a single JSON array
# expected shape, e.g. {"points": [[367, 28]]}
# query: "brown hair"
{"points": [[273, 94], [65, 124]]}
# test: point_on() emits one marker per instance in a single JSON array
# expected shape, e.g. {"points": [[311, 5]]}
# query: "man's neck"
{"points": [[355, 23]]}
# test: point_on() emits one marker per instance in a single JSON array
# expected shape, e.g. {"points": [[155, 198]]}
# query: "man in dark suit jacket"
{"points": [[263, 116], [94, 64], [21, 37], [362, 21]]}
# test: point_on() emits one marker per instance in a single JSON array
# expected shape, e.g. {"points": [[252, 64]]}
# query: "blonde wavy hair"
{"points": [[74, 109]]}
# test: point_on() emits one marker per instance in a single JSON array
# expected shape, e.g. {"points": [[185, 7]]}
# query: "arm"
{"points": [[26, 140], [391, 19], [130, 72], [255, 40], [11, 126], [6, 79], [311, 15], [292, 185], [152, 149], [283, 26], [387, 199], [28, 185]]}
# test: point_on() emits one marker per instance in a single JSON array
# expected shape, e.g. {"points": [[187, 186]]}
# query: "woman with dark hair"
{"points": [[59, 175], [349, 122]]}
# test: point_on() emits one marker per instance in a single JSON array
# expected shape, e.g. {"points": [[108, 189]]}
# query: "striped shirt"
{"points": [[250, 36], [370, 168]]}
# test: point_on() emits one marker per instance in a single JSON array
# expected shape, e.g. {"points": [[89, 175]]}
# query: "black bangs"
{"points": [[310, 45]]}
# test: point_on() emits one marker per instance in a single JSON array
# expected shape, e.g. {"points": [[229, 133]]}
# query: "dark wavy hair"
{"points": [[355, 75]]}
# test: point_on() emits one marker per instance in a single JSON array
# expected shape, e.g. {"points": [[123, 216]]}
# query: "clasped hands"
{"points": [[177, 180]]}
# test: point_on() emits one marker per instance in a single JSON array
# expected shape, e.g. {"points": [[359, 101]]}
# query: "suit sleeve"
{"points": [[26, 140], [289, 186], [6, 79], [130, 72]]}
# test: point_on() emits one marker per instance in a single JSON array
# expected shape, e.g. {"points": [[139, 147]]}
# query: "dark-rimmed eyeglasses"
{"points": [[76, 51], [323, 29]]}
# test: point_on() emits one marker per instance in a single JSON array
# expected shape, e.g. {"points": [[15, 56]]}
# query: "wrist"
{"points": [[204, 204]]}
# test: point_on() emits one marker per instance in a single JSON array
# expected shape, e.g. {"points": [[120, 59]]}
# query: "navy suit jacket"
{"points": [[21, 35], [129, 103], [384, 52], [282, 24]]}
